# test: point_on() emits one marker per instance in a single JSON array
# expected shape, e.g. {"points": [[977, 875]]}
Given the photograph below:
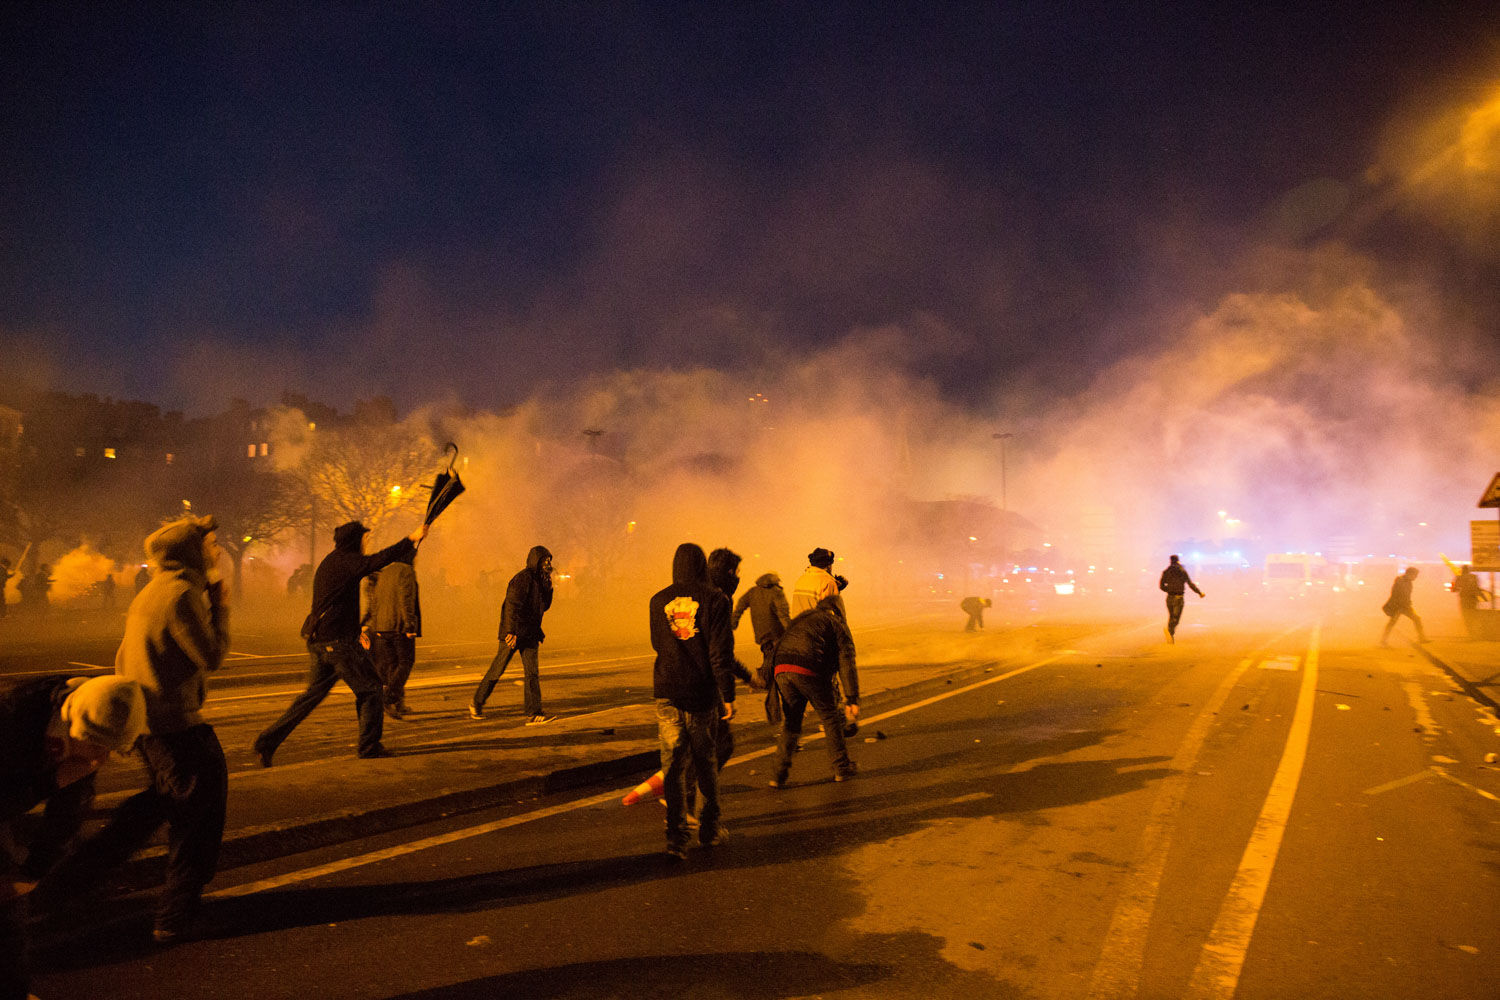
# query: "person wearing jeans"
{"points": [[693, 683]]}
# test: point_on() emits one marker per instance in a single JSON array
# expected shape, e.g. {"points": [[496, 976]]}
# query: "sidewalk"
{"points": [[446, 763]]}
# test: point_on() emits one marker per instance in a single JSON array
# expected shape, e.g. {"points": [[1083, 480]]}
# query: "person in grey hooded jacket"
{"points": [[176, 635], [769, 617], [393, 622]]}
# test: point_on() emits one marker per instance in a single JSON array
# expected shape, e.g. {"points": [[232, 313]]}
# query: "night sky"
{"points": [[478, 202]]}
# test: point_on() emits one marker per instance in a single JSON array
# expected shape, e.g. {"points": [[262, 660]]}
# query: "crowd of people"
{"points": [[60, 730]]}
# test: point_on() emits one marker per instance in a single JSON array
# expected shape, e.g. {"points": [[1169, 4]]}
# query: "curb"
{"points": [[257, 844], [1470, 688]]}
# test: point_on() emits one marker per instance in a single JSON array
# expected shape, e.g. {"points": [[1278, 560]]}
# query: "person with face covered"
{"points": [[58, 731], [335, 647], [527, 599]]}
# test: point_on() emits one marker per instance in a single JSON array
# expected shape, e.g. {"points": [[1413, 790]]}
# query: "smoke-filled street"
{"points": [[767, 500], [1257, 812]]}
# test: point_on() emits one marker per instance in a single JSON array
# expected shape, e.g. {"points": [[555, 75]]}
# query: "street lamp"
{"points": [[1004, 500]]}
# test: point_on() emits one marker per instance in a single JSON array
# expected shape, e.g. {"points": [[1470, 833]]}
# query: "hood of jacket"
{"points": [[768, 580], [690, 565], [535, 557], [346, 537], [179, 544]]}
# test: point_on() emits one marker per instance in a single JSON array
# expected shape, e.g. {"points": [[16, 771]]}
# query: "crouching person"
{"points": [[690, 678], [816, 647], [176, 634], [58, 732]]}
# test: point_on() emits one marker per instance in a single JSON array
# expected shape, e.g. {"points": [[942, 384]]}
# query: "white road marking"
{"points": [[1282, 663], [1123, 954], [1217, 975], [1390, 786], [1419, 706], [372, 857], [1464, 784]]}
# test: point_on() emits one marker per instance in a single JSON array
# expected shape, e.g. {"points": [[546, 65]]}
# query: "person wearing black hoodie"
{"points": [[817, 647], [335, 648], [526, 599], [693, 684]]}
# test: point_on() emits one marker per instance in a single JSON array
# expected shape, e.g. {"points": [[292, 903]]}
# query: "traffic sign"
{"points": [[1484, 544], [1491, 496]]}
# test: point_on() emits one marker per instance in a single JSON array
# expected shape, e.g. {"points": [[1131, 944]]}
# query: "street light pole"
{"points": [[1004, 501]]}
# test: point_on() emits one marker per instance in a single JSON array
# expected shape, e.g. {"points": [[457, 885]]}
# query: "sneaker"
{"points": [[475, 712], [778, 782], [719, 838], [164, 938], [378, 752], [263, 752], [847, 772], [403, 707], [393, 712], [540, 720], [677, 852]]}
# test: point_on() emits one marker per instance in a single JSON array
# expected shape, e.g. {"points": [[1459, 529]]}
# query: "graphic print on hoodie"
{"points": [[682, 616]]}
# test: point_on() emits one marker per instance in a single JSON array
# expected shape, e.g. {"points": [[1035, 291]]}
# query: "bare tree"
{"points": [[367, 472]]}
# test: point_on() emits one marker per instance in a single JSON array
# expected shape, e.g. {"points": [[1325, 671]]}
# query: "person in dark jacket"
{"points": [[526, 599], [58, 732], [334, 645], [817, 647], [693, 685], [974, 608], [176, 635], [5, 576], [1466, 586], [769, 617], [1174, 582], [393, 621], [1399, 603]]}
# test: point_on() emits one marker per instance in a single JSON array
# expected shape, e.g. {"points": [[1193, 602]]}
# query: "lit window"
{"points": [[264, 448], [109, 453], [80, 452], [170, 457], [250, 451]]}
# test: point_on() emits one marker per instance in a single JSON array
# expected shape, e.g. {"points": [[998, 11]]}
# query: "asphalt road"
{"points": [[1259, 813]]}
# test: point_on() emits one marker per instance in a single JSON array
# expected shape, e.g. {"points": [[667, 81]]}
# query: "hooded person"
{"points": [[693, 685], [176, 635], [336, 648], [58, 732], [816, 648], [393, 622], [527, 599], [769, 617]]}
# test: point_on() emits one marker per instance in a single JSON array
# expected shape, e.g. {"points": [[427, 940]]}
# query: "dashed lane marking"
{"points": [[1391, 786]]}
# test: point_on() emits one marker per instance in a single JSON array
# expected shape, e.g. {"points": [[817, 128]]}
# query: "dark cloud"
{"points": [[476, 200]]}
